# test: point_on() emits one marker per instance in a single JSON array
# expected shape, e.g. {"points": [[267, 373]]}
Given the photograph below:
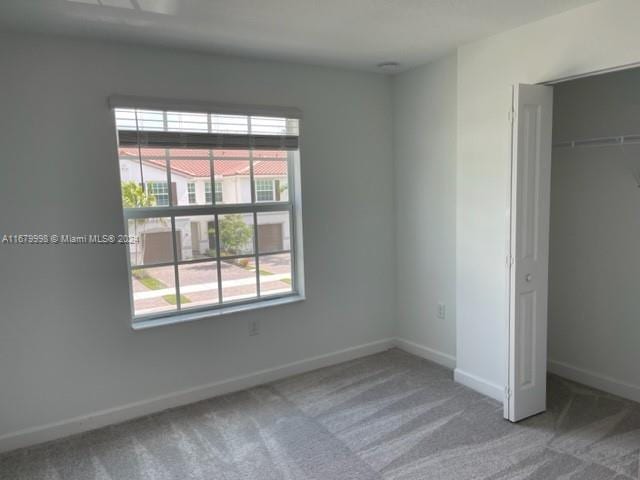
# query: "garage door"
{"points": [[270, 237], [158, 247]]}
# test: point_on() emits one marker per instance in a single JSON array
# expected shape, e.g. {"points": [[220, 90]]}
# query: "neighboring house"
{"points": [[191, 185]]}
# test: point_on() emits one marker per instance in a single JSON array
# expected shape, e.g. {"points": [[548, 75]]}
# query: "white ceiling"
{"points": [[350, 33]]}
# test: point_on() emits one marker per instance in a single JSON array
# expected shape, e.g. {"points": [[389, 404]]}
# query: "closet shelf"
{"points": [[600, 141]]}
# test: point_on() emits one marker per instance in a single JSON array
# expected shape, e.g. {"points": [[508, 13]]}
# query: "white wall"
{"points": [[425, 175], [597, 36], [595, 232], [66, 346]]}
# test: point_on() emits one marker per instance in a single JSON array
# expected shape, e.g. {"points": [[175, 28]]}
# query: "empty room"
{"points": [[294, 240]]}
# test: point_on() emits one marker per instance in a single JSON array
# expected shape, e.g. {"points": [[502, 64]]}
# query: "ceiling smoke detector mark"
{"points": [[388, 67]]}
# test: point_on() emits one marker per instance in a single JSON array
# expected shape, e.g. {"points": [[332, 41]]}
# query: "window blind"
{"points": [[168, 129]]}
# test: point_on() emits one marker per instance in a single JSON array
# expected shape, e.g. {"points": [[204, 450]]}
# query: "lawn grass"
{"points": [[151, 283], [286, 280], [252, 268], [154, 284], [171, 299]]}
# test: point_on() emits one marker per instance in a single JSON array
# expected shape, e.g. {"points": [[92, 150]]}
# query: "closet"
{"points": [[594, 240]]}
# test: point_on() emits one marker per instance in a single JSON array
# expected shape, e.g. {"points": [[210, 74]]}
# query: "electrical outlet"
{"points": [[442, 311], [254, 327]]}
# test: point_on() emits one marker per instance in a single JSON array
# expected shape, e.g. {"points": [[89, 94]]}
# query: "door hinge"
{"points": [[507, 392], [509, 261], [511, 115]]}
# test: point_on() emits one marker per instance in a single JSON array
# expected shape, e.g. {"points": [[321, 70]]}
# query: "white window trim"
{"points": [[294, 204], [184, 317]]}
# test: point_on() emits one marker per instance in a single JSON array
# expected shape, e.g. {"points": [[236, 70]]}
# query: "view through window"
{"points": [[210, 200]]}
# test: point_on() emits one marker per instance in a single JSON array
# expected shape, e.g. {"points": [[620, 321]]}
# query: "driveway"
{"points": [[199, 283]]}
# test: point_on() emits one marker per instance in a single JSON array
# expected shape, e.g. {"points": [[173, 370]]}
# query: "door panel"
{"points": [[529, 251], [526, 375]]}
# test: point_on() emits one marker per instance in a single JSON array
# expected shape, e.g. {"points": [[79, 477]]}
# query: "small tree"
{"points": [[234, 233], [135, 196]]}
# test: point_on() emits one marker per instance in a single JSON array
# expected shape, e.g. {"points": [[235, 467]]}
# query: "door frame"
{"points": [[511, 215], [510, 218]]}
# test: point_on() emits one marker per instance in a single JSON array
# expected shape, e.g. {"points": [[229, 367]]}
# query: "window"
{"points": [[218, 192], [264, 191], [234, 251], [207, 193], [191, 190], [159, 191], [218, 187]]}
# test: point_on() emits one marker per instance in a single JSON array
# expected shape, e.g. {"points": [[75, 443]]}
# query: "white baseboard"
{"points": [[595, 380], [72, 426], [479, 384], [467, 379], [435, 356]]}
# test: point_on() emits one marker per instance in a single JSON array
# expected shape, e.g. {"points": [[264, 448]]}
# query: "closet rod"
{"points": [[600, 141]]}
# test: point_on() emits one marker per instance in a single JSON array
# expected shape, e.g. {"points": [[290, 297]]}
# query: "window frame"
{"points": [[217, 191], [211, 193], [271, 190], [208, 193], [152, 184], [293, 207], [191, 193]]}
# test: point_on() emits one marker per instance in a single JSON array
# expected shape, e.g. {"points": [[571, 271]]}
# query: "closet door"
{"points": [[528, 261]]}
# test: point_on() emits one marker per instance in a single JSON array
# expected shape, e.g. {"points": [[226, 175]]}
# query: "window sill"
{"points": [[145, 324]]}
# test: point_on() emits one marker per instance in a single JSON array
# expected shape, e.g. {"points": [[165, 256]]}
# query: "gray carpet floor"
{"points": [[386, 416]]}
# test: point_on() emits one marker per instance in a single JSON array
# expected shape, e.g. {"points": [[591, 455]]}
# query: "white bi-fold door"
{"points": [[528, 258]]}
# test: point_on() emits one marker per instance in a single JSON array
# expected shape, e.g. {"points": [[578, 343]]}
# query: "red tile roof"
{"points": [[195, 162]]}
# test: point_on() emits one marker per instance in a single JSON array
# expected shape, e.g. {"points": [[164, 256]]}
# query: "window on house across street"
{"points": [[159, 191], [191, 190], [207, 192], [264, 191], [199, 252]]}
